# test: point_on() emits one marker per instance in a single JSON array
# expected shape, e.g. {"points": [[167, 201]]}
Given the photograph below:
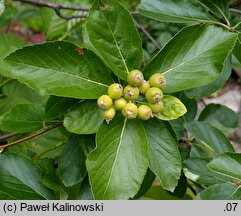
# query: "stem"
{"points": [[2, 147], [58, 7], [235, 4], [235, 11], [7, 136], [148, 35]]}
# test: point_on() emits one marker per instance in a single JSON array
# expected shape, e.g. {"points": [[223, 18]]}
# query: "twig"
{"points": [[58, 7], [148, 35], [2, 147], [7, 136], [235, 11], [235, 4]]}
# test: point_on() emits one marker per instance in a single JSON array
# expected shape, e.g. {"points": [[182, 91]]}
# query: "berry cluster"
{"points": [[126, 99]]}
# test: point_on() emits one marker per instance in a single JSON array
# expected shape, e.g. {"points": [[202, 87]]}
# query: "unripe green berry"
{"points": [[144, 87], [154, 95], [104, 102], [108, 114], [157, 107], [115, 91], [120, 103], [130, 111], [157, 80], [135, 78], [144, 112], [131, 93]]}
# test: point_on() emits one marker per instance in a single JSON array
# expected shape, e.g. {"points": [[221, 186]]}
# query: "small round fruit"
{"points": [[130, 111], [104, 102], [157, 107], [135, 78], [157, 80], [120, 103], [131, 93], [144, 112], [108, 114], [144, 87], [115, 91], [154, 95]]}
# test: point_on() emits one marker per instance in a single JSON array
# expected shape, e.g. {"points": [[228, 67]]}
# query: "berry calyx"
{"points": [[154, 95], [130, 111], [104, 102], [131, 93], [157, 80], [120, 103], [157, 107], [109, 114], [115, 91], [144, 112], [135, 78], [144, 87]]}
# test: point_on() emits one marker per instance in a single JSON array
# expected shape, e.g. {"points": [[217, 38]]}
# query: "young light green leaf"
{"points": [[72, 163], [119, 163], [217, 7], [173, 11], [196, 170], [173, 108], [23, 118], [85, 118], [164, 156], [224, 191], [215, 85], [59, 69], [20, 178], [193, 57], [220, 117], [111, 30], [1, 7], [210, 137], [228, 164]]}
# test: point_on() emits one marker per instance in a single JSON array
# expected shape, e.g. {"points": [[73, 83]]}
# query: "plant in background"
{"points": [[118, 124]]}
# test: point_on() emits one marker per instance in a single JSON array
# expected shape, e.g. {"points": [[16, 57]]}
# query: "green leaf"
{"points": [[173, 11], [63, 71], [237, 50], [56, 107], [23, 118], [72, 163], [173, 108], [48, 175], [1, 7], [9, 43], [119, 163], [210, 137], [193, 57], [164, 156], [220, 117], [228, 164], [178, 127], [53, 25], [85, 118], [111, 30], [17, 93], [224, 191], [20, 178], [217, 7], [196, 170], [215, 85]]}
